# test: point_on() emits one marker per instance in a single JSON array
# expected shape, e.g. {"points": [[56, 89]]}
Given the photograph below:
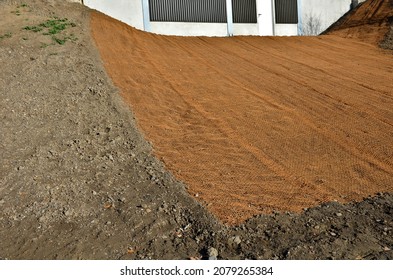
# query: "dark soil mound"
{"points": [[370, 22]]}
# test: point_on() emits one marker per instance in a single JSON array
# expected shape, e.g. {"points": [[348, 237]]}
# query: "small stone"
{"points": [[339, 214], [333, 233], [234, 241], [94, 192], [130, 250], [108, 205], [68, 213], [212, 252], [212, 258], [237, 240]]}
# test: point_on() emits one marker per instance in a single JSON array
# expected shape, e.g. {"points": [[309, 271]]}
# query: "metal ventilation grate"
{"points": [[244, 11], [214, 11], [188, 10], [286, 11]]}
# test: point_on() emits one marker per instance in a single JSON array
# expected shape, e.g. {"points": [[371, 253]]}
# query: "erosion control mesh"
{"points": [[256, 124]]}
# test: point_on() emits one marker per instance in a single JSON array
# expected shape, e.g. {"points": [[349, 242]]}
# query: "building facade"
{"points": [[225, 17]]}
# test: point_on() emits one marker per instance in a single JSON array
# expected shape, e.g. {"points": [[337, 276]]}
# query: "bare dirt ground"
{"points": [[369, 22], [79, 181]]}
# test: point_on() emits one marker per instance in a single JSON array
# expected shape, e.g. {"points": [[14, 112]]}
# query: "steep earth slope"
{"points": [[259, 124], [370, 22]]}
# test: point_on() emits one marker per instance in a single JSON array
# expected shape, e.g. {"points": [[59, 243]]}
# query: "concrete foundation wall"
{"points": [[189, 28], [285, 29], [202, 29], [245, 29]]}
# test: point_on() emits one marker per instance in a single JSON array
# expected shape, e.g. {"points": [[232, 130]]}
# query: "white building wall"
{"points": [[130, 12], [325, 11], [127, 11]]}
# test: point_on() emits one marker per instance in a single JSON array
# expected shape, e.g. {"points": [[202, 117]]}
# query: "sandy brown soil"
{"points": [[78, 181], [256, 124]]}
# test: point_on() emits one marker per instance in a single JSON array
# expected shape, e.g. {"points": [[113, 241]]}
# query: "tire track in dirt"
{"points": [[306, 72], [345, 145], [301, 117], [253, 125], [229, 133], [338, 74]]}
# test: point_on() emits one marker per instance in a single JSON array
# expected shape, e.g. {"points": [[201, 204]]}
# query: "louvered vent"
{"points": [[286, 11], [244, 11], [214, 11], [188, 10]]}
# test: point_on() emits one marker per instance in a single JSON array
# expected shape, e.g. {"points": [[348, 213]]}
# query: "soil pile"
{"points": [[78, 181], [369, 22]]}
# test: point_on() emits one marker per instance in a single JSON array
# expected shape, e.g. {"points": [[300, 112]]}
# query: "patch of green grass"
{"points": [[6, 35], [53, 27], [61, 41], [23, 5], [33, 28]]}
